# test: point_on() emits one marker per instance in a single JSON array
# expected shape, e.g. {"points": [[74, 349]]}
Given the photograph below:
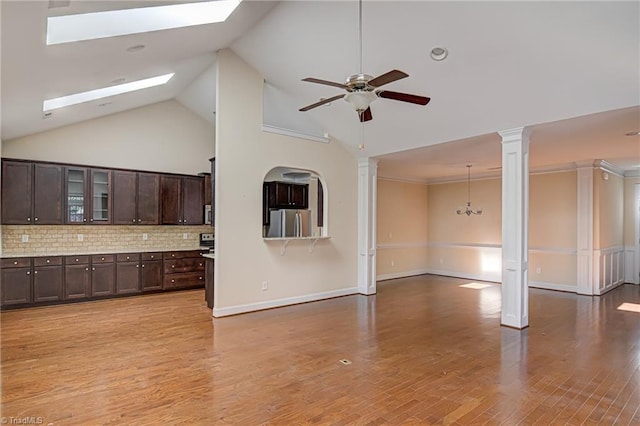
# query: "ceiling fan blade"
{"points": [[366, 115], [322, 102], [325, 82], [404, 97], [387, 78]]}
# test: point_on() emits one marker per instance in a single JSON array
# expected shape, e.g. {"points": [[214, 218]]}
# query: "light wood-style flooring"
{"points": [[422, 351]]}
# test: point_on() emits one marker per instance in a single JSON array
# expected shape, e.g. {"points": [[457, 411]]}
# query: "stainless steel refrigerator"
{"points": [[289, 223]]}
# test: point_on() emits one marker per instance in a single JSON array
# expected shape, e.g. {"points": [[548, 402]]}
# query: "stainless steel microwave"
{"points": [[208, 214]]}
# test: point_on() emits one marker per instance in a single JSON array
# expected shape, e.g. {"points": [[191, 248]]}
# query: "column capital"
{"points": [[516, 134], [367, 162]]}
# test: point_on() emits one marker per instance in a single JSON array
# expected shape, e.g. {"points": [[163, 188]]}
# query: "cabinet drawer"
{"points": [[76, 260], [183, 265], [102, 258], [152, 256], [47, 261], [16, 262], [188, 279], [128, 257], [182, 254]]}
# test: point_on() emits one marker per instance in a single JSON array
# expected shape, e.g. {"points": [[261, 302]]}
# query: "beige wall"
{"points": [[244, 155], [630, 206], [608, 210], [401, 229], [469, 246], [164, 137]]}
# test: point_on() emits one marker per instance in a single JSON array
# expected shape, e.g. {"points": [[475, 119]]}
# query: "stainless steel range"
{"points": [[208, 241]]}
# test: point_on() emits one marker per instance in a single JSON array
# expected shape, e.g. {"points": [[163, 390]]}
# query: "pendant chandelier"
{"points": [[468, 210]]}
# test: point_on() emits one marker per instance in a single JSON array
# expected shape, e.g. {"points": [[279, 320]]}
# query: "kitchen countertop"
{"points": [[209, 255], [14, 255]]}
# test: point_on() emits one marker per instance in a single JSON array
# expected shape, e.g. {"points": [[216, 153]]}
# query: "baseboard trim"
{"points": [[467, 276], [552, 286], [278, 303], [404, 274]]}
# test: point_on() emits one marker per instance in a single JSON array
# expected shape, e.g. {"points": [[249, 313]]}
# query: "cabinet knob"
{"points": [[28, 272], [86, 269], [48, 261], [35, 272], [173, 255], [102, 258], [28, 219], [127, 257], [76, 259], [91, 220], [36, 219], [133, 220], [152, 256], [84, 220], [143, 266], [199, 278], [15, 263], [173, 281], [200, 264], [93, 269], [173, 266], [139, 220]]}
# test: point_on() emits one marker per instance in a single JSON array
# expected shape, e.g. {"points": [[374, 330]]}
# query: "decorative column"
{"points": [[515, 227], [367, 204], [585, 228]]}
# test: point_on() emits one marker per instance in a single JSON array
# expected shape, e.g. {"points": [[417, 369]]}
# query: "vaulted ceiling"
{"points": [[570, 70]]}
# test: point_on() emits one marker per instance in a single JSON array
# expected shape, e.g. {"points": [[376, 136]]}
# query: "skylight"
{"points": [[105, 92], [88, 26]]}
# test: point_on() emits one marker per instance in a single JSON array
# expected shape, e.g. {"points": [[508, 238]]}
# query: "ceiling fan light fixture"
{"points": [[439, 53], [360, 100]]}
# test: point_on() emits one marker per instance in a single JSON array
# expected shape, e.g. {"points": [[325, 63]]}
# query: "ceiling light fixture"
{"points": [[636, 133], [92, 95], [468, 210], [89, 26], [439, 53]]}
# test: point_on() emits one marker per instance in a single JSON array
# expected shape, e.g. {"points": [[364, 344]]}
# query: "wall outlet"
{"points": [[80, 237], [145, 237], [25, 238], [538, 270], [265, 285], [393, 263], [185, 236]]}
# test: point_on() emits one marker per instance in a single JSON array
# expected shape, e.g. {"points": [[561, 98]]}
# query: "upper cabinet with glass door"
{"points": [[88, 196]]}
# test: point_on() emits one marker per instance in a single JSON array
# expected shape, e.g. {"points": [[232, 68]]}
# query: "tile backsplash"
{"points": [[81, 239]]}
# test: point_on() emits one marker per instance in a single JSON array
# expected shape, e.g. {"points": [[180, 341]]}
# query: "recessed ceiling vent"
{"points": [[58, 3], [296, 175]]}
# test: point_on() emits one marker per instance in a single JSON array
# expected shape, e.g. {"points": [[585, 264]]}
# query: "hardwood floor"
{"points": [[422, 351]]}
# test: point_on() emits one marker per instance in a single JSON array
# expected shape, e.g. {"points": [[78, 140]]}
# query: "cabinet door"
{"points": [[124, 198], [76, 196], [193, 213], [208, 286], [48, 189], [213, 191], [151, 275], [148, 198], [206, 193], [102, 279], [47, 283], [127, 277], [16, 286], [298, 196], [100, 197], [77, 280], [281, 195], [17, 192], [170, 196]]}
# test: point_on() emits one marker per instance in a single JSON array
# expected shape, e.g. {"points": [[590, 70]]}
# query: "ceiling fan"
{"points": [[362, 89]]}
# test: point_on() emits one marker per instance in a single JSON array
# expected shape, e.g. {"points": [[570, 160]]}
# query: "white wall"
{"points": [[244, 155], [164, 137]]}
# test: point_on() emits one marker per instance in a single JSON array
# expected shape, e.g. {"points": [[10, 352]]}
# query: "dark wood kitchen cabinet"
{"points": [[77, 277], [283, 195], [136, 198], [127, 273], [151, 271], [48, 276], [181, 200], [31, 193], [16, 281], [88, 196], [103, 277]]}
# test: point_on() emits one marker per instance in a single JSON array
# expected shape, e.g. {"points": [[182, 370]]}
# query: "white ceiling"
{"points": [[510, 64]]}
